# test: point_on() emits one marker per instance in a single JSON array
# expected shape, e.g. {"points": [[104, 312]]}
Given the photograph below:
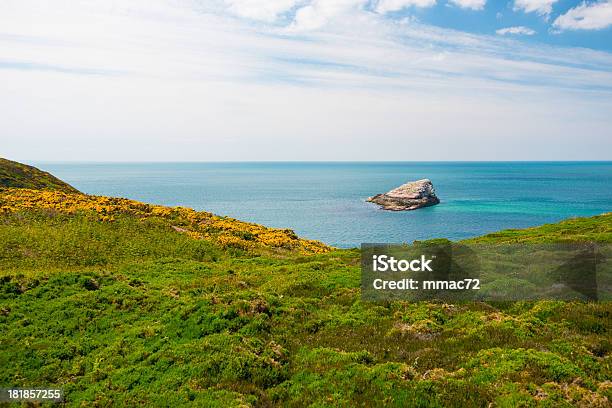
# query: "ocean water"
{"points": [[326, 201]]}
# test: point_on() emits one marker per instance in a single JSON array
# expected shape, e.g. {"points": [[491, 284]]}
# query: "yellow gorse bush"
{"points": [[225, 231]]}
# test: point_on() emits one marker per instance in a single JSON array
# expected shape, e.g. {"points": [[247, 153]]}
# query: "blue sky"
{"points": [[502, 14], [174, 80]]}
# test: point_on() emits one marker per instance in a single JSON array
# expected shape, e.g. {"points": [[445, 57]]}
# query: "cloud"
{"points": [[187, 80], [519, 30], [316, 14], [264, 10], [27, 66], [470, 4], [587, 16], [386, 6], [542, 7]]}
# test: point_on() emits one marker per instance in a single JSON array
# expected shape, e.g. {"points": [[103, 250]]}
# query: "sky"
{"points": [[267, 80]]}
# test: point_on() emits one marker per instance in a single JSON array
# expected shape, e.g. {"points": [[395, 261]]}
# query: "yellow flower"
{"points": [[227, 232]]}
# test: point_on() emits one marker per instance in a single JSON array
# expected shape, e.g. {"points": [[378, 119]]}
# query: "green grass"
{"points": [[594, 229], [13, 174], [134, 313]]}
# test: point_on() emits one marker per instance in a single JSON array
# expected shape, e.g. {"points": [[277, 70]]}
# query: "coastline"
{"points": [[325, 201], [150, 305]]}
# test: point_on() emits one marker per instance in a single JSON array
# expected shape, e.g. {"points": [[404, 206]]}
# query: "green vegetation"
{"points": [[13, 174], [133, 312], [594, 229]]}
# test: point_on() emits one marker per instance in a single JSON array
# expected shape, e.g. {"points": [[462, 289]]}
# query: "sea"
{"points": [[326, 200]]}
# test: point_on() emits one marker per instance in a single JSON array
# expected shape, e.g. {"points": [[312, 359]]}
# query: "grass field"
{"points": [[124, 304]]}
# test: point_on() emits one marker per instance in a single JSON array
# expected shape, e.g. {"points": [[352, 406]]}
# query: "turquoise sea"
{"points": [[325, 201]]}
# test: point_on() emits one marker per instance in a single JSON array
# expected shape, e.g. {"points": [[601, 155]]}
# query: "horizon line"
{"points": [[302, 161]]}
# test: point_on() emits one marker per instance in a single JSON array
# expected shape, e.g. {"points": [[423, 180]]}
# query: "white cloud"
{"points": [[542, 7], [591, 16], [470, 4], [81, 77], [316, 14], [265, 10], [386, 6], [519, 30]]}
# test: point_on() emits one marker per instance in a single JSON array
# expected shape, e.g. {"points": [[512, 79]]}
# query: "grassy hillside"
{"points": [[13, 174], [122, 303], [596, 229], [226, 232]]}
